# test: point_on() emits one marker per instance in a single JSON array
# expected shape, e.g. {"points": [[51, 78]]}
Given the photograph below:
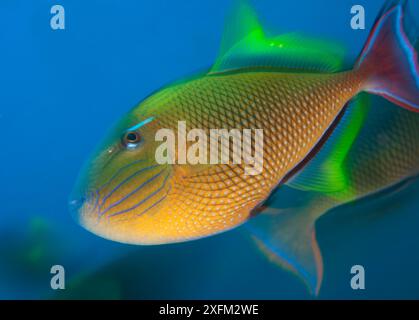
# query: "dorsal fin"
{"points": [[245, 44]]}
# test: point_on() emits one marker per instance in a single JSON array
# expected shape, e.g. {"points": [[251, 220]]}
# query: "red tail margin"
{"points": [[389, 61]]}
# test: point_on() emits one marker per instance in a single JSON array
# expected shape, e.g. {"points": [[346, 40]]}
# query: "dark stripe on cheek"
{"points": [[144, 200], [132, 192], [136, 173]]}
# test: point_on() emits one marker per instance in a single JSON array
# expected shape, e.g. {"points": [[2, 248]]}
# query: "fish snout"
{"points": [[75, 205]]}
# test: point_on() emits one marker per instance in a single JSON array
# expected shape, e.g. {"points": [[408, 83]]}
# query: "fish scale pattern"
{"points": [[294, 112]]}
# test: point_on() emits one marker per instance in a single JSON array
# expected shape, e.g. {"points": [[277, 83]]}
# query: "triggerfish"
{"points": [[291, 87]]}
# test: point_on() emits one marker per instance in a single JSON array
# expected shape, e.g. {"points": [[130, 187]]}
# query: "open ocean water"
{"points": [[61, 90]]}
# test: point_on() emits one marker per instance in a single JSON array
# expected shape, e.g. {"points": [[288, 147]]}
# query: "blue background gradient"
{"points": [[59, 93]]}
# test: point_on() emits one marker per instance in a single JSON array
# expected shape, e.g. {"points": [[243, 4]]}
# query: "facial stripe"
{"points": [[132, 192], [144, 200], [117, 173], [97, 197], [119, 185], [155, 203]]}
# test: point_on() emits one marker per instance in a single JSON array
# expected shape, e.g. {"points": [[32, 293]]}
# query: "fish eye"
{"points": [[131, 139]]}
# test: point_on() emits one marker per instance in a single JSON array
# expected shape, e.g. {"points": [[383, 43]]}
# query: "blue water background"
{"points": [[59, 93]]}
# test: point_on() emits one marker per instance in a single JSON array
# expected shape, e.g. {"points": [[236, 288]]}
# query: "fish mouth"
{"points": [[79, 204], [75, 206]]}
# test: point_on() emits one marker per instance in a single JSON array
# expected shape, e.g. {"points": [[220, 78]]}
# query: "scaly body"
{"points": [[294, 112]]}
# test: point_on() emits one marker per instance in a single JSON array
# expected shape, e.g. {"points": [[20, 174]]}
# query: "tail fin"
{"points": [[389, 60]]}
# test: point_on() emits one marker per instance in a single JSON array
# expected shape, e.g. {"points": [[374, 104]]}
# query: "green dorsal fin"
{"points": [[245, 44], [326, 172]]}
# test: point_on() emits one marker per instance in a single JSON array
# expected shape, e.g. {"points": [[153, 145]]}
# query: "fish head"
{"points": [[122, 188], [127, 194]]}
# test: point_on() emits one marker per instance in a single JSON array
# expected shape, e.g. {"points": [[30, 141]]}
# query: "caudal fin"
{"points": [[389, 61]]}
